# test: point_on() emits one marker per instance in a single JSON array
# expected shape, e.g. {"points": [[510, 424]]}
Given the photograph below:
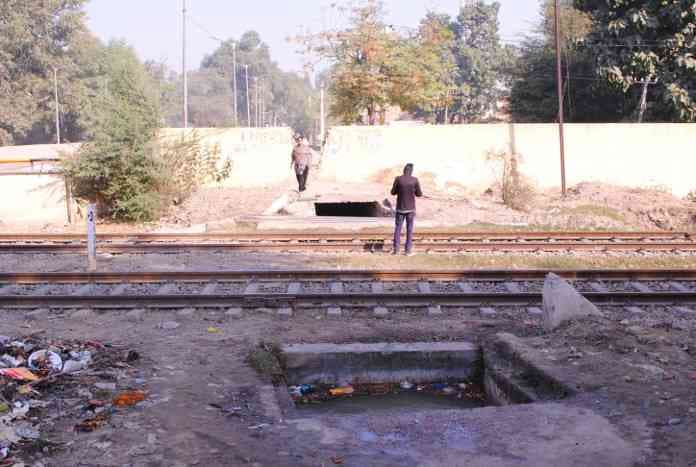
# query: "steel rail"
{"points": [[349, 299], [491, 275], [370, 246], [321, 236]]}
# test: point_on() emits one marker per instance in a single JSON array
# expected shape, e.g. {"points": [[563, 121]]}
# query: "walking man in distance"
{"points": [[406, 188], [301, 160]]}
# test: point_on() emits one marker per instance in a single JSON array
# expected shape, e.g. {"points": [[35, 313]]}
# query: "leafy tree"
{"points": [[37, 37], [534, 92], [481, 59], [642, 40], [372, 66], [117, 168], [435, 46]]}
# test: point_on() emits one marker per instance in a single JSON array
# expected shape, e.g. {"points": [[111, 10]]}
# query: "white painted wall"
{"points": [[633, 155], [32, 199]]}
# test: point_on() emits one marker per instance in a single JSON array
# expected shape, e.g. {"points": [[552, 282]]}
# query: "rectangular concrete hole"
{"points": [[348, 209], [362, 378]]}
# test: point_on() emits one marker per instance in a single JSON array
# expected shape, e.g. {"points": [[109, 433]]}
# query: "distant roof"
{"points": [[35, 152]]}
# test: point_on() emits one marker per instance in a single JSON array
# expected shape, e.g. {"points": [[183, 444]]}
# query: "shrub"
{"points": [[516, 191]]}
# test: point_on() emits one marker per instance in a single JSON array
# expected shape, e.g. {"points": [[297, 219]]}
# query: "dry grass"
{"points": [[595, 210], [512, 261]]}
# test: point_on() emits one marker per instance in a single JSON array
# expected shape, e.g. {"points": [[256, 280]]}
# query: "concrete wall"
{"points": [[646, 155], [259, 156], [32, 199]]}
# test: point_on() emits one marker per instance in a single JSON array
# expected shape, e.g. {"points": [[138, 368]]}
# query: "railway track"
{"points": [[311, 289], [433, 242]]}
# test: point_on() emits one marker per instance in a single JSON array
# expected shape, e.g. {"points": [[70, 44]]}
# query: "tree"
{"points": [[435, 53], [481, 60], [534, 94], [371, 65], [37, 37], [117, 168], [648, 40]]}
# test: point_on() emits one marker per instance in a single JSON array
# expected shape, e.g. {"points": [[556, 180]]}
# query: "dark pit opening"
{"points": [[348, 209]]}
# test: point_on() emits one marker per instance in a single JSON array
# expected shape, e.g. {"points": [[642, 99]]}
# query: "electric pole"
{"points": [[263, 104], [256, 101], [234, 78], [184, 68], [55, 91], [246, 71], [322, 125], [559, 73]]}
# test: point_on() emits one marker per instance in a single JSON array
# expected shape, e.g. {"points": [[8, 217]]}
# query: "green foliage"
{"points": [[481, 60], [36, 37], [648, 40]]}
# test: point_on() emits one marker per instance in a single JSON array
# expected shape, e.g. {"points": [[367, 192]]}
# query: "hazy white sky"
{"points": [[153, 27]]}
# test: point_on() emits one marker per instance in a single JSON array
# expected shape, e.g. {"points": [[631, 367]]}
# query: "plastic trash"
{"points": [[342, 391], [406, 385], [27, 432], [448, 391], [42, 360], [10, 361], [19, 374], [128, 398], [73, 366]]}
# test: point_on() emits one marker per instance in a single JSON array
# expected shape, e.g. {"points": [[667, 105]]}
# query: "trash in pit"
{"points": [[314, 394], [38, 376]]}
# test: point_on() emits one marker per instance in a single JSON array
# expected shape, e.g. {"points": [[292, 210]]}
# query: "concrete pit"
{"points": [[349, 209]]}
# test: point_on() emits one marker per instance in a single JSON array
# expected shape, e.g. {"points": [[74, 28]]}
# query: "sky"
{"points": [[154, 27]]}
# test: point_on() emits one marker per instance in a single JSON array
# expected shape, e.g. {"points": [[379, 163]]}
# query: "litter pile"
{"points": [[45, 384], [313, 394]]}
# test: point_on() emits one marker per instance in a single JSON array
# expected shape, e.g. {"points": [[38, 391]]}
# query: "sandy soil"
{"points": [[635, 367], [586, 207]]}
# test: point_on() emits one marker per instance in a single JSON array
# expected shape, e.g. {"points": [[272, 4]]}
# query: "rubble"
{"points": [[563, 303]]}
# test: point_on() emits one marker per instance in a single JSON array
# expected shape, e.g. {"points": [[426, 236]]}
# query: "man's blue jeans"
{"points": [[410, 218]]}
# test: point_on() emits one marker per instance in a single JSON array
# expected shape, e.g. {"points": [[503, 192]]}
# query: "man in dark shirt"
{"points": [[406, 188]]}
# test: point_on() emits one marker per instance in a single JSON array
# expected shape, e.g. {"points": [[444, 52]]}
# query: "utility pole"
{"points": [[322, 116], [559, 78], [644, 98], [246, 70], [263, 104], [234, 79], [256, 102], [184, 68], [55, 91]]}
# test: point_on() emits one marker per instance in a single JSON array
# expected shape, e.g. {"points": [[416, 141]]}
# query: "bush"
{"points": [[516, 191], [127, 169]]}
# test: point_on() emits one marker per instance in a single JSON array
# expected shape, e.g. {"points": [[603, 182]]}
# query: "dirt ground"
{"points": [[204, 403], [588, 206]]}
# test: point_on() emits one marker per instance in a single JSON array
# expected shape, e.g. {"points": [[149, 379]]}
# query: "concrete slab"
{"points": [[382, 363], [530, 435]]}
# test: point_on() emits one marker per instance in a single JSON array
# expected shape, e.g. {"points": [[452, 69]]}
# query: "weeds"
{"points": [[517, 192]]}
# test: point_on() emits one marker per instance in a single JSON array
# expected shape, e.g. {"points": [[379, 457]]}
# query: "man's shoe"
{"points": [[409, 253]]}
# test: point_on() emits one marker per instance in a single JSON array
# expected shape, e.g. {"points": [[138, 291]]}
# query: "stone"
{"points": [[294, 288], [169, 325], [36, 315], [381, 312], [424, 288], [234, 313], [634, 309], [85, 313], [562, 303], [334, 312], [186, 312], [285, 313], [336, 288], [135, 316], [435, 310], [488, 311], [674, 421], [535, 311]]}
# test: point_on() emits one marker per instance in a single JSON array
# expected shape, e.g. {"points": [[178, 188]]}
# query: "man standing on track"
{"points": [[406, 188], [301, 160]]}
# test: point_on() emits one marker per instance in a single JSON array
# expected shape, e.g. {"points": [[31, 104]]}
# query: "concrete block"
{"points": [[512, 287], [336, 288], [294, 288], [382, 362], [488, 312], [252, 289], [136, 316], [640, 287], [465, 287], [679, 287], [563, 303], [424, 287], [209, 288], [377, 287], [84, 313], [285, 313], [535, 311], [334, 312], [435, 310], [381, 312], [234, 313], [634, 309]]}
